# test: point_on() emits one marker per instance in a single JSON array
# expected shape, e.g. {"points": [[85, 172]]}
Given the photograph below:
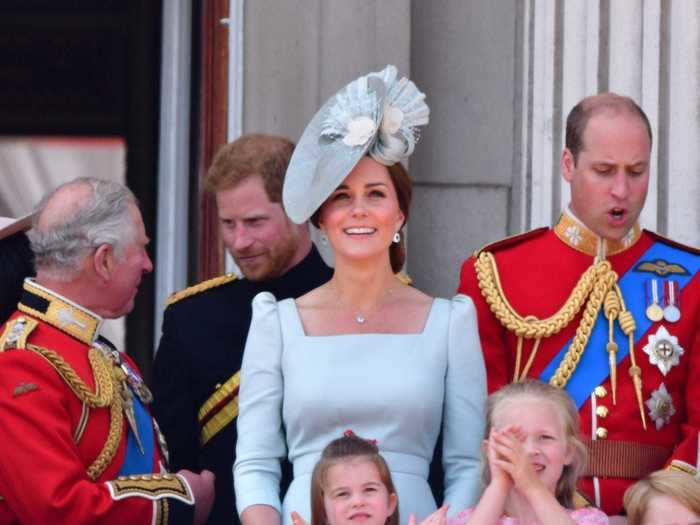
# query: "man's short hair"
{"points": [[255, 154], [101, 218], [582, 112]]}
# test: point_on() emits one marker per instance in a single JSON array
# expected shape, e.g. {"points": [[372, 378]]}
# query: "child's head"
{"points": [[550, 419], [352, 477], [668, 494]]}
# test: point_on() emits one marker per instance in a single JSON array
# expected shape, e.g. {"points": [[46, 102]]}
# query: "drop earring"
{"points": [[324, 239], [397, 238]]}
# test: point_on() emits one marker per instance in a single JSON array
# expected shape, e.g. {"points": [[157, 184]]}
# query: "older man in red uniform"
{"points": [[77, 443], [601, 308]]}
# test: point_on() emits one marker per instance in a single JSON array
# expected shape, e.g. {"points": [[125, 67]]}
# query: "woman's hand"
{"points": [[439, 517]]}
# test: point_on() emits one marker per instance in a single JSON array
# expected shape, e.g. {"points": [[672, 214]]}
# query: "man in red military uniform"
{"points": [[599, 307], [77, 443]]}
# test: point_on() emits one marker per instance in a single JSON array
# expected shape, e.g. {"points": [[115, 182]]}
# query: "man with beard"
{"points": [[196, 371]]}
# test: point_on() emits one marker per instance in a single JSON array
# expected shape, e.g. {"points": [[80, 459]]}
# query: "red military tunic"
{"points": [[538, 271], [67, 451]]}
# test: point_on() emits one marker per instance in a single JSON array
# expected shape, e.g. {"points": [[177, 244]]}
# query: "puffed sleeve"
{"points": [[465, 398], [261, 440]]}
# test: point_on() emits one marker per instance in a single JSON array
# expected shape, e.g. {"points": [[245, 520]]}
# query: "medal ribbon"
{"points": [[134, 461], [593, 368]]}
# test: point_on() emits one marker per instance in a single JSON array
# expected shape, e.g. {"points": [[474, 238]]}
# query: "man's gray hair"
{"points": [[101, 218]]}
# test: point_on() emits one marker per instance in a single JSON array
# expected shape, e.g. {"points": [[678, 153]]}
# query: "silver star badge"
{"points": [[660, 406], [16, 331], [663, 350]]}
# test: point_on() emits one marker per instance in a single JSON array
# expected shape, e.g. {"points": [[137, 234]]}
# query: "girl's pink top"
{"points": [[587, 516]]}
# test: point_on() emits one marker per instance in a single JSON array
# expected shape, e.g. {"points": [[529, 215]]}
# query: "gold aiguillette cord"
{"points": [[628, 326]]}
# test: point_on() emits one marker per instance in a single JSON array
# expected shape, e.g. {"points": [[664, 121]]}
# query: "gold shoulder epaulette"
{"points": [[199, 288], [16, 333], [511, 240], [673, 243], [404, 278]]}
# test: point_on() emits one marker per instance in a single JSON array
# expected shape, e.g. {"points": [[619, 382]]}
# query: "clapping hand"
{"points": [[439, 517], [499, 476], [511, 458]]}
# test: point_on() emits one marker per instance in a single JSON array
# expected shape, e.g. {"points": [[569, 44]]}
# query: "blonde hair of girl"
{"points": [[566, 486]]}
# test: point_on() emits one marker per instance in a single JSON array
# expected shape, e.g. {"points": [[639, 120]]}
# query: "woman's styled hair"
{"points": [[404, 192], [531, 388], [346, 448], [681, 486]]}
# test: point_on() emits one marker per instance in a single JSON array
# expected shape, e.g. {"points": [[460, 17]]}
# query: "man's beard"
{"points": [[274, 263]]}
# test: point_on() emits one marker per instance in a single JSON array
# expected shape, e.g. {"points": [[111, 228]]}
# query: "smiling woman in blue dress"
{"points": [[363, 351]]}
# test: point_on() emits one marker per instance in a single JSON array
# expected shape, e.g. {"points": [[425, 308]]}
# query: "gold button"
{"points": [[601, 432], [167, 476], [133, 478], [602, 411], [217, 386], [600, 391], [157, 477]]}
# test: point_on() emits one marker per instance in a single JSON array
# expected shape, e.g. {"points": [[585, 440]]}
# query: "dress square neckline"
{"points": [[299, 325]]}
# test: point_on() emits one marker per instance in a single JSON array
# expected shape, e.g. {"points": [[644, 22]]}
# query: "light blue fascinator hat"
{"points": [[377, 114]]}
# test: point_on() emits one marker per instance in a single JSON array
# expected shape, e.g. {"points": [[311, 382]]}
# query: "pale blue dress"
{"points": [[299, 392]]}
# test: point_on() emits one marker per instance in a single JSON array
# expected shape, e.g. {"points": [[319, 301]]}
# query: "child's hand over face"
{"points": [[512, 458], [499, 476]]}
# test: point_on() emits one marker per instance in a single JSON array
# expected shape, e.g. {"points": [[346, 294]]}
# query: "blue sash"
{"points": [[134, 461], [593, 368]]}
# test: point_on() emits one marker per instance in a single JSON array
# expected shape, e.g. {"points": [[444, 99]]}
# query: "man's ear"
{"points": [[104, 261], [567, 165]]}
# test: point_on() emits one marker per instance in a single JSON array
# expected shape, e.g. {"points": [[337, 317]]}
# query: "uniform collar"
{"points": [[574, 233], [60, 312]]}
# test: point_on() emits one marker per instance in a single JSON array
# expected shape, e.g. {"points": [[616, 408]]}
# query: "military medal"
{"points": [[660, 406], [125, 377], [137, 384], [671, 293], [654, 311], [128, 408], [663, 350]]}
